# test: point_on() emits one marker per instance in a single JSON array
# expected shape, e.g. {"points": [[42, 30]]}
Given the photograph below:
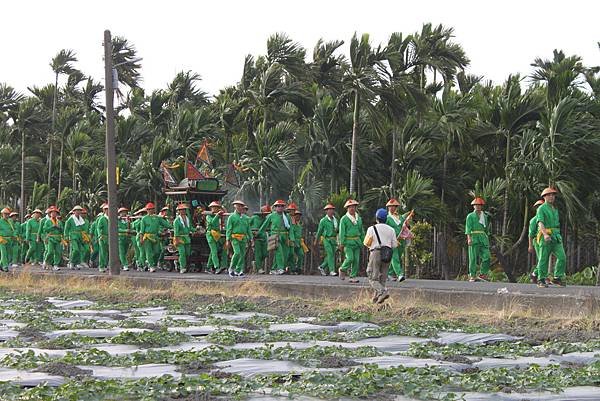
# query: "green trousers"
{"points": [[238, 260], [329, 246], [123, 248], [35, 252], [351, 260], [94, 251], [281, 255], [296, 259], [396, 267], [152, 252], [102, 254], [16, 251], [137, 252], [216, 248], [76, 251], [260, 253], [5, 255], [479, 254], [184, 251], [53, 254], [536, 248], [554, 247]]}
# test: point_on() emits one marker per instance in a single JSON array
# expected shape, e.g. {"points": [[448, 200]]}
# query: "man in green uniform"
{"points": [[327, 235], [291, 259], [550, 241], [278, 224], [73, 233], [260, 240], [95, 248], [477, 227], [17, 240], [215, 239], [40, 239], [350, 241], [151, 228], [298, 248], [6, 238], [87, 240], [102, 235], [182, 228], [398, 223], [52, 235], [533, 246], [35, 249], [165, 214], [124, 228], [140, 256], [237, 232]]}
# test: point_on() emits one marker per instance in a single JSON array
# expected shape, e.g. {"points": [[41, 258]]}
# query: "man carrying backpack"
{"points": [[381, 240]]}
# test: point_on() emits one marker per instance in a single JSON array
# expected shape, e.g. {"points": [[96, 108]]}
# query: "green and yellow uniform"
{"points": [[6, 240], [397, 222], [95, 249], [74, 232], [52, 235], [477, 226], [17, 243], [182, 228], [279, 224], [102, 238], [327, 235], [215, 243], [296, 257], [260, 241], [140, 258], [151, 227], [533, 231], [125, 234], [35, 249], [351, 238], [547, 214], [237, 232]]}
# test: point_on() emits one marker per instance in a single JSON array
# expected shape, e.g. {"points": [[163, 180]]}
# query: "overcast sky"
{"points": [[212, 37]]}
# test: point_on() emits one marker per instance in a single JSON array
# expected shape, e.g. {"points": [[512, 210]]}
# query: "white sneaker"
{"points": [[322, 271], [261, 271], [85, 265], [231, 274], [70, 266], [77, 267], [152, 269], [44, 266], [125, 268], [55, 268], [241, 274], [14, 265], [333, 274], [280, 272]]}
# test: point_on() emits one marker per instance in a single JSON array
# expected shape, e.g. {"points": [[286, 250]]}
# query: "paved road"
{"points": [[437, 285]]}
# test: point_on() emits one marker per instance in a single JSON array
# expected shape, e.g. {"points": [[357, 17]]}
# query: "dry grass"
{"points": [[415, 307]]}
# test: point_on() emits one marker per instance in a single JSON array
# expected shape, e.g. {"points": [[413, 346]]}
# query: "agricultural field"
{"points": [[66, 339]]}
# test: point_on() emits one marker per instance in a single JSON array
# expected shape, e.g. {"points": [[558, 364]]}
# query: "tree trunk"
{"points": [[60, 166], [506, 190], [393, 167], [22, 208], [353, 169], [55, 97]]}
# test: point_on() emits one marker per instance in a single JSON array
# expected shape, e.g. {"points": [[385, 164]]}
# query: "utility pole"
{"points": [[111, 159]]}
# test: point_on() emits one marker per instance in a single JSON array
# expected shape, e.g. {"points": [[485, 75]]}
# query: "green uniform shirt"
{"points": [[548, 216], [6, 228], [182, 229], [124, 228], [41, 226], [297, 230], [32, 227], [328, 228], [256, 221], [274, 224], [237, 224], [151, 225], [350, 233], [397, 226], [533, 227], [52, 231], [72, 231], [102, 227], [477, 231], [17, 230]]}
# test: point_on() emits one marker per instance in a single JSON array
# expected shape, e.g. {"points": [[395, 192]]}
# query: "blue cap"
{"points": [[381, 214]]}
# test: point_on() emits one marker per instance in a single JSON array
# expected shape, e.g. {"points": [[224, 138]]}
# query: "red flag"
{"points": [[203, 153], [193, 173]]}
